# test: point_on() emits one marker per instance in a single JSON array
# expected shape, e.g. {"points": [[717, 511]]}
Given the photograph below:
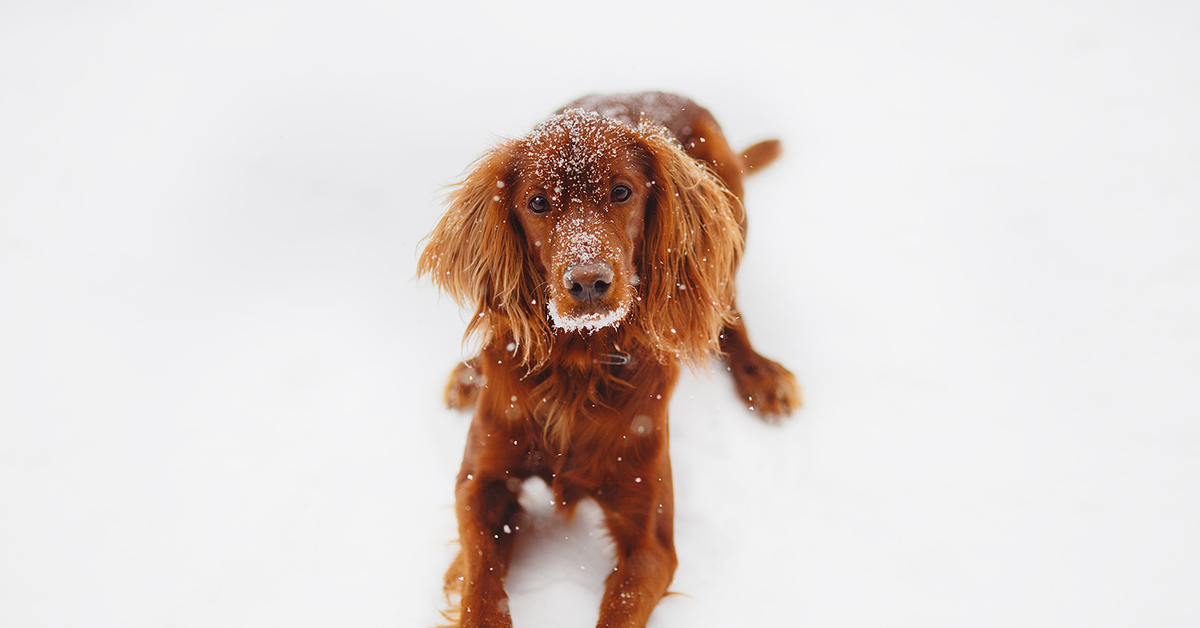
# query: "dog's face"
{"points": [[587, 223], [581, 185]]}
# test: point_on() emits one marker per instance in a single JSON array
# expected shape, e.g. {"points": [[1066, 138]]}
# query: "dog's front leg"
{"points": [[638, 510], [485, 503]]}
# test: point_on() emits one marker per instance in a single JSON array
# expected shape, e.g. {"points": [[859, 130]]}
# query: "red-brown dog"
{"points": [[599, 254]]}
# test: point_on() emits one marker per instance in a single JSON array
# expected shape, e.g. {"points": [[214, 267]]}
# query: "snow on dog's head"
{"points": [[582, 198]]}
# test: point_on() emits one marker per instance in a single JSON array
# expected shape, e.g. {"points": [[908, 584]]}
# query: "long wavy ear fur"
{"points": [[476, 255], [692, 248]]}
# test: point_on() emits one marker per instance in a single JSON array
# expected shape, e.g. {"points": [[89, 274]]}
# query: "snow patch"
{"points": [[576, 242], [590, 322]]}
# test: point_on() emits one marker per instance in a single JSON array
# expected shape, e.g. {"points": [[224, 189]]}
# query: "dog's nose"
{"points": [[588, 281]]}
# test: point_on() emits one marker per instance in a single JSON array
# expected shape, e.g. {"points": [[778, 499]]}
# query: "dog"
{"points": [[598, 253]]}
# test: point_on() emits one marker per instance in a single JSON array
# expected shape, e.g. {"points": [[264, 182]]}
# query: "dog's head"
{"points": [[587, 223]]}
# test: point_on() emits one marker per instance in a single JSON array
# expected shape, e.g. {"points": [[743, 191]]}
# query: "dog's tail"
{"points": [[760, 155]]}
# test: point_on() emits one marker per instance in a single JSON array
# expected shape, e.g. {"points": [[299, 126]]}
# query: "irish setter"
{"points": [[598, 253]]}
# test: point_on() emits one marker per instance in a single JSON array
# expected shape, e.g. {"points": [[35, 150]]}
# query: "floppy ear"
{"points": [[476, 254], [692, 248]]}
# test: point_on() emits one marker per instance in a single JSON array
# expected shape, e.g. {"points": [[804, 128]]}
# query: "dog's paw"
{"points": [[765, 386], [462, 389]]}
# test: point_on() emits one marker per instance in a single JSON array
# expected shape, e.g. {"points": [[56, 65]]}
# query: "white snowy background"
{"points": [[220, 380]]}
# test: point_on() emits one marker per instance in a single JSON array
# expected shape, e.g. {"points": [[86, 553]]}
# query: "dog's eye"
{"points": [[539, 204], [621, 193]]}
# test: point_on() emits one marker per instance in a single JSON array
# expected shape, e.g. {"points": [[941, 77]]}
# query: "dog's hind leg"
{"points": [[764, 385], [462, 388]]}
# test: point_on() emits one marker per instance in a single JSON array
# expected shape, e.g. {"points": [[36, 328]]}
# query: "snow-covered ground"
{"points": [[220, 381]]}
